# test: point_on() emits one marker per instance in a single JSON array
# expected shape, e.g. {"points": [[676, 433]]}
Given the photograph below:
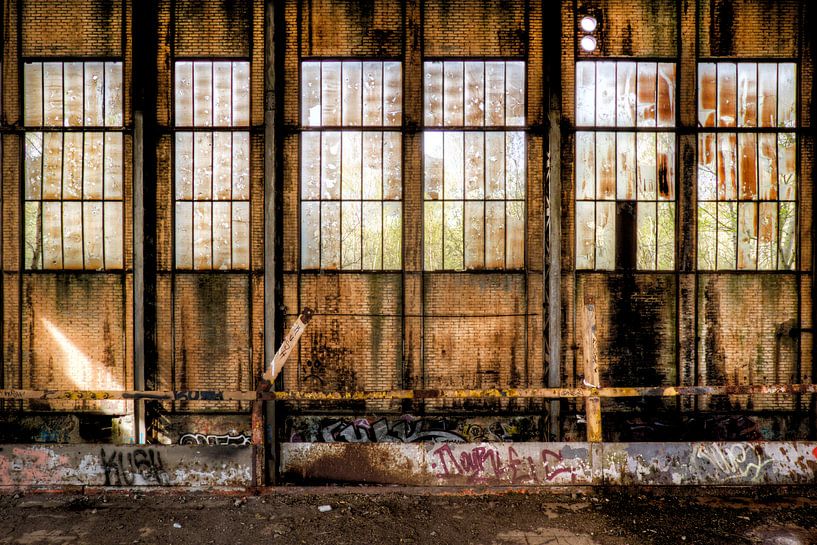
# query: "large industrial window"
{"points": [[212, 165], [625, 165], [747, 166], [351, 165], [474, 165], [72, 186]]}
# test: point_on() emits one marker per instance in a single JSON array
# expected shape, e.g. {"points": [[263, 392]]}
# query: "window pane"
{"points": [[727, 166], [72, 165], [433, 94], [645, 151], [625, 166], [494, 234], [585, 165], [515, 228], [453, 235], [605, 165], [585, 235], [372, 235], [605, 235], [475, 165], [392, 235], [788, 235], [666, 236], [707, 235], [92, 165], [586, 93], [433, 164], [33, 235], [113, 94], [92, 235], [372, 93], [241, 94], [183, 91], [474, 93], [707, 98], [727, 235], [52, 165], [184, 165], [786, 95], [453, 99], [767, 165], [73, 102], [747, 165], [94, 94], [747, 235], [330, 165], [433, 235], [114, 165], [330, 235], [202, 235], [311, 93], [222, 162], [515, 165], [33, 165], [495, 93], [515, 93], [310, 165], [767, 94], [203, 94], [707, 166], [351, 235], [203, 165], [787, 165], [453, 165], [666, 94], [352, 94], [625, 94], [310, 235], [351, 159], [747, 94], [767, 237], [665, 143], [647, 231], [184, 235], [72, 235], [241, 235], [330, 93], [222, 235], [474, 234], [52, 235], [52, 84], [223, 96], [605, 94], [33, 99], [495, 165], [241, 165], [372, 165], [393, 93], [646, 94], [113, 235], [727, 91], [392, 165]]}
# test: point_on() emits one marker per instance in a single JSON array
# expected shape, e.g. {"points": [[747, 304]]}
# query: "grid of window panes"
{"points": [[73, 173], [625, 177], [474, 165], [351, 165], [747, 177], [212, 165]]}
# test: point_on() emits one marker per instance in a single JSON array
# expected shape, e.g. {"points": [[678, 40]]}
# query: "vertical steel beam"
{"points": [[551, 28], [274, 43], [592, 405]]}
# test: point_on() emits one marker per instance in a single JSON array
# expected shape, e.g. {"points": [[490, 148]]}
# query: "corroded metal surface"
{"points": [[24, 466], [292, 395]]}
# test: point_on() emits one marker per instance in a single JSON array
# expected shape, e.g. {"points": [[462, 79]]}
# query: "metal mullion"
{"points": [[655, 146], [361, 170], [717, 184], [104, 178], [231, 124], [193, 208], [442, 226], [232, 196], [320, 199], [42, 94], [595, 84], [484, 102], [484, 194], [464, 193], [615, 112], [738, 188], [504, 197], [777, 184], [105, 107], [340, 208], [383, 199], [62, 170], [82, 190]]}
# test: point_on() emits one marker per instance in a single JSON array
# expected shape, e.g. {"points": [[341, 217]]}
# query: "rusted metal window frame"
{"points": [[757, 130], [320, 129], [505, 129], [594, 129], [211, 129], [44, 128]]}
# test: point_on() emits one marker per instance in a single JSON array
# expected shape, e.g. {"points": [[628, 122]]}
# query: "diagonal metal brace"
{"points": [[290, 341]]}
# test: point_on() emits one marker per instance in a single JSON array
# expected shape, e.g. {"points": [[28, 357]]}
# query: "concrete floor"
{"points": [[399, 515]]}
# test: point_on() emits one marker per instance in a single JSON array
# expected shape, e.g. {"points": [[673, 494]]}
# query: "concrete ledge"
{"points": [[27, 466], [553, 464]]}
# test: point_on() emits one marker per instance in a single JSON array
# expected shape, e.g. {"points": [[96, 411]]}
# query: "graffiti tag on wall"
{"points": [[740, 461], [489, 464], [122, 469], [226, 439]]}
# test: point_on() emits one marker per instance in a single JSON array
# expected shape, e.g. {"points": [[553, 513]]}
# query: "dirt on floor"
{"points": [[351, 515]]}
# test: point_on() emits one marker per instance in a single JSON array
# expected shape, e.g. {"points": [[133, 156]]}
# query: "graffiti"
{"points": [[122, 470], [85, 396], [486, 463], [202, 439], [11, 394], [199, 395], [409, 429], [735, 461]]}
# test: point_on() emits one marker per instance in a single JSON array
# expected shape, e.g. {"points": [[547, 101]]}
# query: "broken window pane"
{"points": [[33, 165], [787, 165], [707, 235], [433, 235], [453, 163], [665, 162], [788, 226], [453, 235], [351, 235], [515, 165], [666, 236], [647, 231], [494, 165], [727, 235], [372, 165], [310, 93], [33, 235], [433, 165], [707, 166], [475, 165], [372, 236], [392, 235], [352, 162]]}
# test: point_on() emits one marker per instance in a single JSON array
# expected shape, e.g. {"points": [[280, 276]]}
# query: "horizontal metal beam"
{"points": [[542, 393]]}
